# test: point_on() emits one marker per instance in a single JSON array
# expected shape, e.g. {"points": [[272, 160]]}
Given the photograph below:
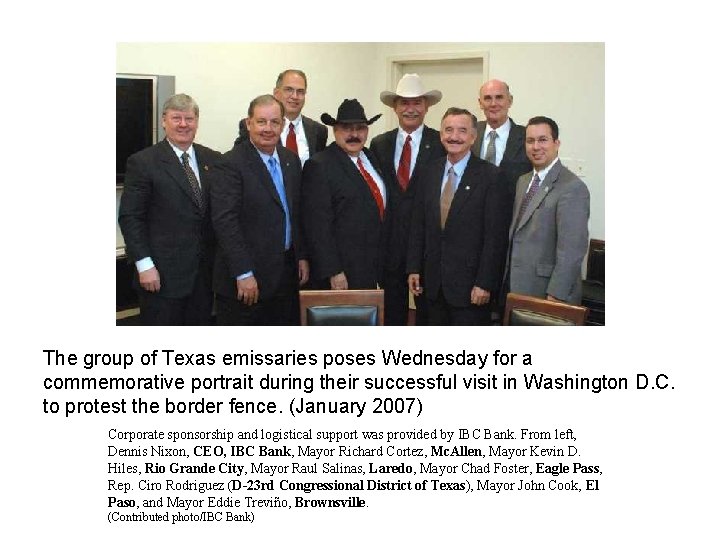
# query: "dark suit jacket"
{"points": [[471, 250], [401, 202], [514, 162], [315, 133], [159, 217], [343, 228], [249, 220], [550, 240]]}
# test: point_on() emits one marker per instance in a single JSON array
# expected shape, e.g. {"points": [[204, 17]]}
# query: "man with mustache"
{"points": [[255, 204], [403, 153], [345, 205], [500, 140], [300, 134], [549, 230], [458, 236]]}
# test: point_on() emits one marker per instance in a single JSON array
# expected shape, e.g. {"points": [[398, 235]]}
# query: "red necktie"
{"points": [[374, 189], [403, 172], [291, 141]]}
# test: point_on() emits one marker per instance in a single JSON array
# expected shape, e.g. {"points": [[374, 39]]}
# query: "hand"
{"points": [[247, 291], [479, 296], [303, 271], [338, 282], [150, 279], [553, 299], [414, 284]]}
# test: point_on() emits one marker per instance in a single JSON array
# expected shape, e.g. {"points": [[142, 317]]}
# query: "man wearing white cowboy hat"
{"points": [[344, 205], [403, 153]]}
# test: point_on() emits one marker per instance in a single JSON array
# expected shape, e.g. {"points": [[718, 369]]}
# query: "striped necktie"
{"points": [[528, 196]]}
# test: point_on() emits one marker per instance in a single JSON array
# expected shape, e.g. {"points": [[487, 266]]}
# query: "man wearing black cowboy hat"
{"points": [[345, 205]]}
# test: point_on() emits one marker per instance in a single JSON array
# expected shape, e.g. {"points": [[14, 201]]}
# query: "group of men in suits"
{"points": [[423, 212]]}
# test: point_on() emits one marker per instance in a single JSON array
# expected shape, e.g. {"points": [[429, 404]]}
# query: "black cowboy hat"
{"points": [[349, 112]]}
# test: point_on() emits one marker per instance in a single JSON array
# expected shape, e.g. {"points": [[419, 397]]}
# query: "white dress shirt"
{"points": [[302, 144], [415, 138], [373, 173], [503, 132], [542, 173]]}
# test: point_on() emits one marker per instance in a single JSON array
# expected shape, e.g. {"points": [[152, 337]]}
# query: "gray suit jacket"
{"points": [[548, 243]]}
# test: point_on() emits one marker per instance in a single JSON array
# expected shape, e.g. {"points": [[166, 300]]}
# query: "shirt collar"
{"points": [[416, 135], [503, 131], [543, 172], [295, 122], [458, 167], [179, 152], [265, 157]]}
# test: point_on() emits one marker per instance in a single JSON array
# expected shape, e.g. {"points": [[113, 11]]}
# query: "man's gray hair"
{"points": [[181, 102], [265, 99]]}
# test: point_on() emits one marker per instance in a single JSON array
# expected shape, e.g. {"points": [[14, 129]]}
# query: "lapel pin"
{"points": [[467, 187], [547, 188], [205, 167]]}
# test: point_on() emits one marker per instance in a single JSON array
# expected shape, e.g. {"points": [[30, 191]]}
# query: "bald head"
{"points": [[495, 101]]}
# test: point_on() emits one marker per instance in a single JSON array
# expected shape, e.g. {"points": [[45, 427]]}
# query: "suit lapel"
{"points": [[289, 180], [522, 187], [201, 156], [466, 188], [356, 178], [257, 165], [310, 134], [387, 149], [547, 185], [515, 142], [175, 169], [436, 178], [423, 153]]}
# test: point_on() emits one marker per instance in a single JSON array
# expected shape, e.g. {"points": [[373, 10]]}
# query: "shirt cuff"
{"points": [[144, 264], [245, 275]]}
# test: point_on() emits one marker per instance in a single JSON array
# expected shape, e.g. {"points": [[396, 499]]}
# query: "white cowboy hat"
{"points": [[410, 86]]}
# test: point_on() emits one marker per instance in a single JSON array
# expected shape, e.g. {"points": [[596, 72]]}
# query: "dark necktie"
{"points": [[280, 188], [374, 189], [446, 197], [291, 140], [403, 172], [528, 196], [194, 184], [490, 153]]}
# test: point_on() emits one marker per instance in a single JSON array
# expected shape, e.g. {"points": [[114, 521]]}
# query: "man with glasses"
{"points": [[300, 134], [549, 230], [345, 205], [255, 207]]}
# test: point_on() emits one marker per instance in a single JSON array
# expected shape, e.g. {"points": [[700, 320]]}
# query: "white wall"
{"points": [[565, 81]]}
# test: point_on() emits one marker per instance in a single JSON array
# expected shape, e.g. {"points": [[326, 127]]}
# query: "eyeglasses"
{"points": [[542, 141], [289, 91]]}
